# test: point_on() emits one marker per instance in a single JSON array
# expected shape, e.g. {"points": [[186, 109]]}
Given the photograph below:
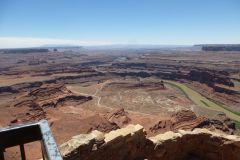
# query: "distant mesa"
{"points": [[39, 49], [23, 50], [52, 46], [220, 47]]}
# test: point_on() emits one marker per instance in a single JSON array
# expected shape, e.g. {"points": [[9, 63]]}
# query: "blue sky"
{"points": [[96, 22]]}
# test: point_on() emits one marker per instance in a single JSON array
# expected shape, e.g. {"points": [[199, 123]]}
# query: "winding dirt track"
{"points": [[102, 85], [93, 95]]}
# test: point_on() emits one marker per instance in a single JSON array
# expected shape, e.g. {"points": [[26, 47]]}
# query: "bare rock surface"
{"points": [[119, 116], [53, 95], [131, 143], [102, 125], [210, 77], [187, 120], [44, 97], [125, 143]]}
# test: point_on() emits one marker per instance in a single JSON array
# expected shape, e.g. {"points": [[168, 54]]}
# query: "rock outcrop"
{"points": [[210, 77], [125, 143], [100, 123], [46, 96], [50, 96], [131, 143], [187, 120], [119, 116], [198, 144]]}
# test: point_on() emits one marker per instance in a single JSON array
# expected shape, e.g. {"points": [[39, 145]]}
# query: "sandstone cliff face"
{"points": [[131, 143], [46, 96], [188, 120], [210, 77]]}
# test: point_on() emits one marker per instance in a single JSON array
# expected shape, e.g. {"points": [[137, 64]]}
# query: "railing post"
{"points": [[43, 150], [23, 156], [1, 155], [49, 144]]}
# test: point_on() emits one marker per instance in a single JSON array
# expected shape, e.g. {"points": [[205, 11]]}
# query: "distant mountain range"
{"points": [[219, 47], [59, 46], [198, 47]]}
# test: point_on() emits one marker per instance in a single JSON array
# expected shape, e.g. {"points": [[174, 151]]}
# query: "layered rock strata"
{"points": [[46, 96], [188, 120]]}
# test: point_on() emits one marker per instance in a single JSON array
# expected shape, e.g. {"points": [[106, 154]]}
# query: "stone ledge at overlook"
{"points": [[131, 143]]}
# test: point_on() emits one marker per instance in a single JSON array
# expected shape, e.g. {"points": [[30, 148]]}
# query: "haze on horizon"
{"points": [[28, 23]]}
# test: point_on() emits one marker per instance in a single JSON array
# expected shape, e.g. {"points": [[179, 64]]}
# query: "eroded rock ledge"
{"points": [[131, 143]]}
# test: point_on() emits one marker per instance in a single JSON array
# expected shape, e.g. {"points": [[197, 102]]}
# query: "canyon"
{"points": [[151, 100]]}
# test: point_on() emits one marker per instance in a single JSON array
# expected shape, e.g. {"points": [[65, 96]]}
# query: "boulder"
{"points": [[119, 116]]}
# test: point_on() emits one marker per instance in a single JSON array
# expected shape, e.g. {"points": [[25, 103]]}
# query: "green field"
{"points": [[202, 101]]}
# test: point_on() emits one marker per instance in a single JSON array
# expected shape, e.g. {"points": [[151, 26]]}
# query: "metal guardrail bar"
{"points": [[19, 135], [50, 146]]}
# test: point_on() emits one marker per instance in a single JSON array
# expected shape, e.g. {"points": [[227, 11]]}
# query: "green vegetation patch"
{"points": [[237, 124], [205, 103], [202, 101]]}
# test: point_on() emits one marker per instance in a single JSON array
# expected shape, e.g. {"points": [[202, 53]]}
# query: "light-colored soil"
{"points": [[124, 94]]}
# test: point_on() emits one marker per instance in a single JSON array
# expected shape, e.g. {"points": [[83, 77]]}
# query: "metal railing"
{"points": [[22, 134]]}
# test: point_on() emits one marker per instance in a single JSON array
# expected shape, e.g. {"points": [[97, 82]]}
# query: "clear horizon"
{"points": [[28, 23]]}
